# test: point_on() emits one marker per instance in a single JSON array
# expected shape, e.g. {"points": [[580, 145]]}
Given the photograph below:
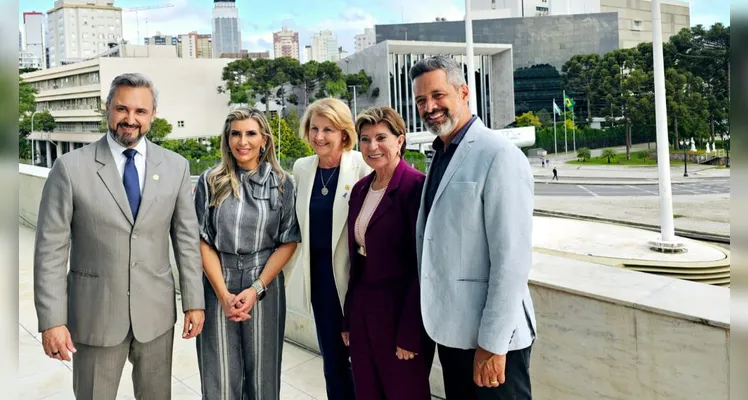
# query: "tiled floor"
{"points": [[43, 378]]}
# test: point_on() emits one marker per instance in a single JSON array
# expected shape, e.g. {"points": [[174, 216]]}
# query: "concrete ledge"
{"points": [[603, 332]]}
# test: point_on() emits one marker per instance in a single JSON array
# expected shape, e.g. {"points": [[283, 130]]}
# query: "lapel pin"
{"points": [[345, 194], [347, 187], [155, 177]]}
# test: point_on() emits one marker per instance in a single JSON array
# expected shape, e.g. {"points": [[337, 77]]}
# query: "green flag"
{"points": [[569, 102]]}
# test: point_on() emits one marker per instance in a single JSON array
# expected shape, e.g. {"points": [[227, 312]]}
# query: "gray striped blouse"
{"points": [[253, 225]]}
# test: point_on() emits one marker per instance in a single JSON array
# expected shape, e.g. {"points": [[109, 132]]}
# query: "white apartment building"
{"points": [[227, 37], [366, 39], [33, 43], [74, 94], [324, 47], [79, 29], [286, 43], [307, 53]]}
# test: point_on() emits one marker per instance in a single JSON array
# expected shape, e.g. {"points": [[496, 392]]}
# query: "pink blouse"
{"points": [[373, 197]]}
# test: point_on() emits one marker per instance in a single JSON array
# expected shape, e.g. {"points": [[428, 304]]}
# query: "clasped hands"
{"points": [[400, 353], [237, 307]]}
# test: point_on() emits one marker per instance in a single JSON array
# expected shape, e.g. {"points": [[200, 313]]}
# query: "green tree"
{"points": [[529, 119], [608, 154], [160, 128], [545, 118], [580, 79], [26, 97], [584, 154], [43, 121], [290, 146]]}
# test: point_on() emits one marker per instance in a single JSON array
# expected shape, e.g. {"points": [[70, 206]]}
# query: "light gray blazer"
{"points": [[475, 248], [120, 275]]}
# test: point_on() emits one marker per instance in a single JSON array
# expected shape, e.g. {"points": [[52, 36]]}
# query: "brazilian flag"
{"points": [[569, 102]]}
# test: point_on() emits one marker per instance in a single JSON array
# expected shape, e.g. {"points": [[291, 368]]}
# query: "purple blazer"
{"points": [[389, 273]]}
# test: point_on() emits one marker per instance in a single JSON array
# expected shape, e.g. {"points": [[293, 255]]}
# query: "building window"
{"points": [[180, 124]]}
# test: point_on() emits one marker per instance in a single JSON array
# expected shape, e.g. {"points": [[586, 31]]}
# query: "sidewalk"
{"points": [[627, 175], [40, 377]]}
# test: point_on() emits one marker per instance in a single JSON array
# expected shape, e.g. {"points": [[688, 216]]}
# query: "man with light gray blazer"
{"points": [[111, 207], [474, 242]]}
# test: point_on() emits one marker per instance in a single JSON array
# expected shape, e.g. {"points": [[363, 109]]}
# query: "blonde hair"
{"points": [[384, 115], [337, 112], [223, 179]]}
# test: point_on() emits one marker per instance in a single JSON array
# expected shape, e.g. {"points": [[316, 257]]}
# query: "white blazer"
{"points": [[352, 169]]}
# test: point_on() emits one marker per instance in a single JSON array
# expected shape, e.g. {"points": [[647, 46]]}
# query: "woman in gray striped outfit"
{"points": [[248, 230]]}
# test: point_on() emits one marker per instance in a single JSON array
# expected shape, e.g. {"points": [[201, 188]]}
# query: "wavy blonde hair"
{"points": [[337, 112], [224, 180]]}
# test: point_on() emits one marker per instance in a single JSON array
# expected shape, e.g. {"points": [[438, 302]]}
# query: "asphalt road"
{"points": [[550, 189]]}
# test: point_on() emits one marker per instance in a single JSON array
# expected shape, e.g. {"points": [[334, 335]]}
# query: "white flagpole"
{"points": [[470, 62], [566, 143], [555, 142]]}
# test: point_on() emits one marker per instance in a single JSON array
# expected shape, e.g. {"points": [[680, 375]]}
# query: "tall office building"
{"points": [[33, 43], [286, 43], [80, 29], [226, 34]]}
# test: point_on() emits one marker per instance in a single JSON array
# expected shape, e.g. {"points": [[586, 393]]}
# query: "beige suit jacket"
{"points": [[120, 274]]}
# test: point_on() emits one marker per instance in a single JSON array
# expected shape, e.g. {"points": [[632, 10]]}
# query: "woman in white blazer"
{"points": [[323, 185]]}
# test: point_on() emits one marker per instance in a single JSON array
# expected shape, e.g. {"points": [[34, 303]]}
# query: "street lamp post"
{"points": [[726, 146], [685, 157]]}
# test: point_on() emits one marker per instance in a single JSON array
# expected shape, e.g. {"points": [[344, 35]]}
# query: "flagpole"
{"points": [[555, 141], [573, 132], [566, 143], [473, 102], [667, 240]]}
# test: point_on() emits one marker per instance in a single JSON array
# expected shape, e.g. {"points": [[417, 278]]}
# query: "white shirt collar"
{"points": [[117, 148]]}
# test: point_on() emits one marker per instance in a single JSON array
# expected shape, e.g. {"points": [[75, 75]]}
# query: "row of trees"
{"points": [[277, 80], [620, 84]]}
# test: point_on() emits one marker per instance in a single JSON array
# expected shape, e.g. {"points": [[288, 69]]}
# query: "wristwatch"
{"points": [[259, 289]]}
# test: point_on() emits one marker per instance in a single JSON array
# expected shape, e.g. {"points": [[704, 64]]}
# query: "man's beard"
{"points": [[126, 139], [443, 128]]}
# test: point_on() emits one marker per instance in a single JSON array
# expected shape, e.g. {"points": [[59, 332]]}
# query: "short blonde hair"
{"points": [[383, 115], [337, 112]]}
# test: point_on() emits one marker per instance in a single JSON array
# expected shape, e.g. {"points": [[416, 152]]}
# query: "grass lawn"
{"points": [[619, 160]]}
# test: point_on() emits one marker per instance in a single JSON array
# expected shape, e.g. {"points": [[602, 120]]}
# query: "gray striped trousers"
{"points": [[242, 360]]}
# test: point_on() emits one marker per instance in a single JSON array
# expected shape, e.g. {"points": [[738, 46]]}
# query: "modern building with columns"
{"points": [[389, 62], [75, 95]]}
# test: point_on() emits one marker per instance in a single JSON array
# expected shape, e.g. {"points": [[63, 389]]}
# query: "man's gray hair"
{"points": [[455, 74], [132, 80]]}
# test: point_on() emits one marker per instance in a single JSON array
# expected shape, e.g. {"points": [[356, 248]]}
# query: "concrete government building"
{"points": [[74, 94]]}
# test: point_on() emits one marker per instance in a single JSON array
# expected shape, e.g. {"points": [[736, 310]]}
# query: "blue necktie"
{"points": [[131, 181]]}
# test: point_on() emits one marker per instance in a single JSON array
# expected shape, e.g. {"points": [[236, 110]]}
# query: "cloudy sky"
{"points": [[346, 18]]}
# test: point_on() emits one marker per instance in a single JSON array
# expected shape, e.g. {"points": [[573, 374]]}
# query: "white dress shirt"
{"points": [[121, 159]]}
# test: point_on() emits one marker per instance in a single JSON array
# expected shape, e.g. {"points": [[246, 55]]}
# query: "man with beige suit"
{"points": [[112, 207]]}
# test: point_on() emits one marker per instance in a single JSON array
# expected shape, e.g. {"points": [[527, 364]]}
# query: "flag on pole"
{"points": [[556, 110], [569, 102]]}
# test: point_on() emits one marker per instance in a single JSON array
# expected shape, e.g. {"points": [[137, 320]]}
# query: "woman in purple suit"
{"points": [[391, 354]]}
